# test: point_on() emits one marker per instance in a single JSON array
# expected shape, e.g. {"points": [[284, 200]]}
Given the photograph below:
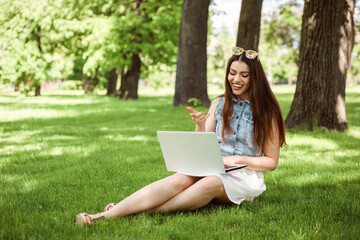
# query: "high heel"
{"points": [[87, 219], [109, 206]]}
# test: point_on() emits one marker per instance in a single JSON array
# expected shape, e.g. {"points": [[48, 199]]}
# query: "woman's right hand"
{"points": [[198, 117]]}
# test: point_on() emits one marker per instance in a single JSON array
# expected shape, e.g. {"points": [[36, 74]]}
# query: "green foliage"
{"points": [[194, 102], [23, 59], [278, 48], [219, 50], [282, 27], [354, 70], [280, 40], [153, 32], [160, 76], [65, 39]]}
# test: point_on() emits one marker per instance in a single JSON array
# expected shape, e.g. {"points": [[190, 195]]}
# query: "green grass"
{"points": [[64, 153]]}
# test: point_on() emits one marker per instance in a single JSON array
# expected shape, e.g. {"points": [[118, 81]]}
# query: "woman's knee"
{"points": [[212, 185], [182, 181]]}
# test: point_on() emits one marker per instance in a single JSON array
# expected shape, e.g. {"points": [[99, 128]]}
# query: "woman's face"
{"points": [[239, 77]]}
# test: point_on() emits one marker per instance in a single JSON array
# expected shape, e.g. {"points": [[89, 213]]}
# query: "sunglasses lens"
{"points": [[237, 51], [251, 54]]}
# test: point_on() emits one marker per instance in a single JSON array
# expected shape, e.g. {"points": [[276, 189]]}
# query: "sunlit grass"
{"points": [[64, 153]]}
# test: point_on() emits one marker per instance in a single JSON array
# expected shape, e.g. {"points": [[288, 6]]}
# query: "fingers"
{"points": [[191, 110], [226, 161], [198, 117]]}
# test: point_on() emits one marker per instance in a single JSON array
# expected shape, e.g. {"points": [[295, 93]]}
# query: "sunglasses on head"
{"points": [[249, 54]]}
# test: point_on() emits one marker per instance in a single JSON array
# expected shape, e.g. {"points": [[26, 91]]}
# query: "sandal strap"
{"points": [[90, 219], [109, 206], [96, 217]]}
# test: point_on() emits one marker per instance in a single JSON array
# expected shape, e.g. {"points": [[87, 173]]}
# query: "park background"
{"points": [[73, 149]]}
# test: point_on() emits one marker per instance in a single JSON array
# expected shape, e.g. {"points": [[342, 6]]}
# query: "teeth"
{"points": [[236, 85]]}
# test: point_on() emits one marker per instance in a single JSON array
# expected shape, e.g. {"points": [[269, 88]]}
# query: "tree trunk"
{"points": [[91, 82], [111, 88], [249, 24], [124, 83], [134, 76], [327, 38], [191, 80], [38, 41], [37, 90]]}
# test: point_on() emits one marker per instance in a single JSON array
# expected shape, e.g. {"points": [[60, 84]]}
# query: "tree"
{"points": [[85, 40], [280, 37], [354, 71], [155, 42], [191, 79], [327, 37], [219, 47], [249, 24], [111, 88], [131, 36], [39, 38], [26, 60], [133, 74]]}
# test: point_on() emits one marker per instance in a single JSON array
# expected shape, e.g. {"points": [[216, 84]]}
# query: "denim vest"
{"points": [[240, 141]]}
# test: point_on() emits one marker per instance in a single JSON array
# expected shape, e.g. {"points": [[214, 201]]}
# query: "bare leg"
{"points": [[152, 195], [196, 196]]}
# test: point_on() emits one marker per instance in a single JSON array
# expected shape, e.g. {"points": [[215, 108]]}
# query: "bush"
{"points": [[194, 102]]}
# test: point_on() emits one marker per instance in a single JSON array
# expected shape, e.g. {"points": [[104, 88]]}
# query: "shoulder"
{"points": [[213, 105], [215, 102], [216, 107], [220, 100]]}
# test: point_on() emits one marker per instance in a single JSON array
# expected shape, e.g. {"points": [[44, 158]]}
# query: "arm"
{"points": [[204, 123], [268, 162]]}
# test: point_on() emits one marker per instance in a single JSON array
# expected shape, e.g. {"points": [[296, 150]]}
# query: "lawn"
{"points": [[64, 153]]}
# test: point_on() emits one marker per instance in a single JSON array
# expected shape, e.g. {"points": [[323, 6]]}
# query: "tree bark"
{"points": [[111, 88], [134, 76], [191, 79], [327, 38], [91, 82], [38, 41], [37, 90], [123, 84], [249, 24]]}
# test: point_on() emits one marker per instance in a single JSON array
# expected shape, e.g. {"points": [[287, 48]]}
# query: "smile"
{"points": [[237, 86]]}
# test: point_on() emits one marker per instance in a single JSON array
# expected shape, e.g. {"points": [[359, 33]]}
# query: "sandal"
{"points": [[87, 219], [109, 206]]}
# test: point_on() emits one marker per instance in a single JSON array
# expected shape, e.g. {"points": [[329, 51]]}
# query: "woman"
{"points": [[250, 130]]}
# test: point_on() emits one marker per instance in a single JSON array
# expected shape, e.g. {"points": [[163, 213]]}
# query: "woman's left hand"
{"points": [[229, 160], [198, 117]]}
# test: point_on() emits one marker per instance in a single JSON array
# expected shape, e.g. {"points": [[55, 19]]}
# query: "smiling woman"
{"points": [[239, 79], [250, 129], [246, 80]]}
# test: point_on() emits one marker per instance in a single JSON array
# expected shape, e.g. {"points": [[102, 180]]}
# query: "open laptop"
{"points": [[193, 153]]}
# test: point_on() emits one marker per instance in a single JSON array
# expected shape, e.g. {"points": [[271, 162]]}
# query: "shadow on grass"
{"points": [[52, 168]]}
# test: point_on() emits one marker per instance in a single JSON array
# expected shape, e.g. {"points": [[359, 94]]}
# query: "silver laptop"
{"points": [[193, 153]]}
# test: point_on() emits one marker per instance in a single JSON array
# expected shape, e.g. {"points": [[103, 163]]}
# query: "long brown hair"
{"points": [[264, 106]]}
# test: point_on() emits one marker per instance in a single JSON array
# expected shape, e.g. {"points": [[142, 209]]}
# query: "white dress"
{"points": [[243, 184]]}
